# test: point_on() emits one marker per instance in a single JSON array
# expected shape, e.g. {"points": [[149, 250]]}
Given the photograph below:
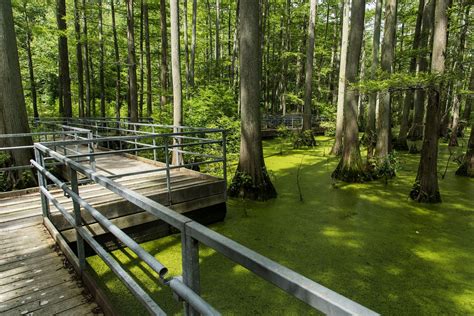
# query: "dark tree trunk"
{"points": [[132, 63], [142, 70], [64, 59], [164, 56], [309, 67], [385, 108], [218, 42], [426, 188], [31, 71], [350, 167], [370, 132], [251, 179], [149, 106], [415, 134], [13, 116], [186, 44], [117, 64], [469, 100], [193, 45], [80, 64], [341, 90], [409, 95], [101, 63], [467, 166], [86, 59]]}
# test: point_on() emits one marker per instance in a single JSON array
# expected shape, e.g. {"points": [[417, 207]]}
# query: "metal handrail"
{"points": [[192, 233]]}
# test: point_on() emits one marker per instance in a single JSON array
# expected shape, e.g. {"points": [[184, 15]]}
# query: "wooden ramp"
{"points": [[190, 191], [35, 278]]}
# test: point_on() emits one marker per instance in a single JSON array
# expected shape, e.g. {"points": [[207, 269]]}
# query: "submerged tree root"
{"points": [[417, 194]]}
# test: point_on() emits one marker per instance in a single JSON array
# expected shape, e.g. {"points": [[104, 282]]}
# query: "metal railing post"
{"points": [[90, 146], [154, 143], [42, 183], [191, 275], [78, 220], [168, 175], [135, 140], [224, 162]]}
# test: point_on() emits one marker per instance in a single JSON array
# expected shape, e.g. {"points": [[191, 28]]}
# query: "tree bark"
{"points": [[164, 56], [101, 63], [218, 42], [459, 68], [86, 59], [141, 85], [415, 134], [309, 67], [467, 166], [469, 100], [193, 45], [132, 63], [350, 167], [337, 147], [31, 72], [176, 75], [13, 115], [385, 108], [426, 188], [64, 77], [79, 59], [149, 106], [186, 44], [251, 179], [117, 64], [409, 95]]}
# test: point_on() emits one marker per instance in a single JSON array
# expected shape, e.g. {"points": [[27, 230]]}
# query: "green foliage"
{"points": [[304, 139]]}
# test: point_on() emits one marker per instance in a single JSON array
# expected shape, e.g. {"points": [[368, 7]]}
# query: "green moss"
{"points": [[367, 241]]}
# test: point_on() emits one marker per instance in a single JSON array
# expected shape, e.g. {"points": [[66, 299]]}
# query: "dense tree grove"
{"points": [[384, 75]]}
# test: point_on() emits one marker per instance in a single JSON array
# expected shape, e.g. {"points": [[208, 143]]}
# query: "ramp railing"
{"points": [[187, 287], [56, 132]]}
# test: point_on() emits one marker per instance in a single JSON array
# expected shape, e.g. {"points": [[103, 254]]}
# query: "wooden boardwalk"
{"points": [[35, 278]]}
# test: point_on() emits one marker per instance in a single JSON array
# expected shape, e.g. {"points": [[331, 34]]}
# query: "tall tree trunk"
{"points": [[384, 134], [64, 59], [31, 71], [186, 44], [409, 95], [415, 134], [337, 147], [176, 75], [233, 68], [80, 64], [426, 188], [459, 68], [350, 167], [132, 64], [117, 64], [467, 166], [86, 59], [466, 116], [309, 67], [142, 70], [13, 116], [164, 56], [193, 45], [251, 179], [218, 32], [101, 63], [149, 107]]}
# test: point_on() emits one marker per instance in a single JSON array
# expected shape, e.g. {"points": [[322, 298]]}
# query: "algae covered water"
{"points": [[368, 242]]}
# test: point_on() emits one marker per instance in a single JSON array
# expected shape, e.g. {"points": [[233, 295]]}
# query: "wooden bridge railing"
{"points": [[186, 287]]}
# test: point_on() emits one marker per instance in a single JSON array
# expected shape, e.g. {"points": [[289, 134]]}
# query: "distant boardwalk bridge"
{"points": [[105, 184], [271, 124]]}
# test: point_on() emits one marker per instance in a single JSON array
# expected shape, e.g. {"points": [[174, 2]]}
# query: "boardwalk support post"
{"points": [[191, 277], [78, 220]]}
